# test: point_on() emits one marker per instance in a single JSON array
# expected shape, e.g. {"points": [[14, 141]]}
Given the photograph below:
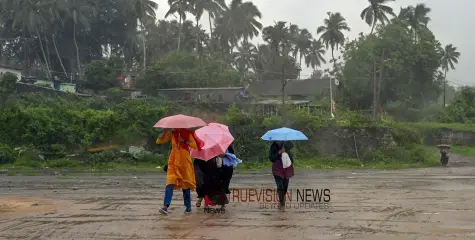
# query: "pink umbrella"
{"points": [[180, 121], [222, 126], [216, 141]]}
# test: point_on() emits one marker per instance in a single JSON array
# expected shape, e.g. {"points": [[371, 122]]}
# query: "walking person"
{"points": [[209, 175], [209, 183], [282, 168], [229, 162], [180, 172]]}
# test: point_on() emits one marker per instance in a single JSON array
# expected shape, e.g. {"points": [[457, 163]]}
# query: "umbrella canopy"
{"points": [[284, 134], [222, 126], [180, 121], [216, 142]]}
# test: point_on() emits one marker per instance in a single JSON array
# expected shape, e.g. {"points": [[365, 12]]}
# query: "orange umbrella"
{"points": [[180, 121]]}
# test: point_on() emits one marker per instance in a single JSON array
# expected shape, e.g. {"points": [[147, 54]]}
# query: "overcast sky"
{"points": [[310, 14]]}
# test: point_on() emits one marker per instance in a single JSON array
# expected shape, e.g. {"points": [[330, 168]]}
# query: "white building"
{"points": [[16, 71]]}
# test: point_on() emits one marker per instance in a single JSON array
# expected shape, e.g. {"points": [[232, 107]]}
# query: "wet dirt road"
{"points": [[422, 204]]}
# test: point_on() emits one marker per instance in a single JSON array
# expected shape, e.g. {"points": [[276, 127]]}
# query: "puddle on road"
{"points": [[19, 206]]}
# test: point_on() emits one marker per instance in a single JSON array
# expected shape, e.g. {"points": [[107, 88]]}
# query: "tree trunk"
{"points": [[48, 73], [334, 71], [198, 40], [283, 86], [445, 85], [197, 35], [374, 88], [300, 64], [78, 62], [144, 47], [378, 93], [57, 54], [372, 28], [48, 55], [210, 27], [333, 57], [179, 34]]}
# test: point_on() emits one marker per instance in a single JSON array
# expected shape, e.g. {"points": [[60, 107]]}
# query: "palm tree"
{"points": [[276, 36], [213, 7], [315, 55], [376, 12], [303, 43], [79, 14], [243, 58], [54, 10], [332, 31], [450, 56], [143, 10], [29, 17], [180, 7], [415, 17], [239, 21]]}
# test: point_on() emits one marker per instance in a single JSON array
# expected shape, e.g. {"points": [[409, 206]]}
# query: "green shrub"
{"points": [[405, 135], [7, 154], [29, 158]]}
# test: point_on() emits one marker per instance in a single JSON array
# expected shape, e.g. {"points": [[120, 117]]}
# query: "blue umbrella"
{"points": [[284, 134]]}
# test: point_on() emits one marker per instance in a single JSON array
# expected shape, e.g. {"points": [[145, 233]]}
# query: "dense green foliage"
{"points": [[394, 50], [55, 128]]}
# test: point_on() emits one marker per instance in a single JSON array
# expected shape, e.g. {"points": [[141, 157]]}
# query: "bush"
{"points": [[59, 126], [7, 154]]}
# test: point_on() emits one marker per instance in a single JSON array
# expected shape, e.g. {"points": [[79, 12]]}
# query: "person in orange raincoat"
{"points": [[180, 172]]}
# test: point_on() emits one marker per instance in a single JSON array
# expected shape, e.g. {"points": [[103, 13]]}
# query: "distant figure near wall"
{"points": [[444, 154]]}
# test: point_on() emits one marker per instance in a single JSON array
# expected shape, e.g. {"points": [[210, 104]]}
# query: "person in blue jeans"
{"points": [[168, 199]]}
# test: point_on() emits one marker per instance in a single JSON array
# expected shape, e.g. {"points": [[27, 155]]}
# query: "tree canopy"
{"points": [[400, 60]]}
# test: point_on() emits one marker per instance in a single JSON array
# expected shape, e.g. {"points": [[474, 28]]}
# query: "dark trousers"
{"points": [[282, 187], [226, 175]]}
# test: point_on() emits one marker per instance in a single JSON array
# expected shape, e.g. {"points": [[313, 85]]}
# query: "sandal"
{"points": [[281, 208], [198, 203]]}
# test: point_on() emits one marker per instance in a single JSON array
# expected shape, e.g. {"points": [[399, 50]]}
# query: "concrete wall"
{"points": [[14, 71], [27, 88], [449, 136]]}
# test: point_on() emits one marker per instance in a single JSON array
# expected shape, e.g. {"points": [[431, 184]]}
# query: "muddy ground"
{"points": [[422, 204]]}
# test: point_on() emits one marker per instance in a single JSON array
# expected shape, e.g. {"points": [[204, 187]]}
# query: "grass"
{"points": [[465, 151], [398, 158], [329, 163], [336, 163]]}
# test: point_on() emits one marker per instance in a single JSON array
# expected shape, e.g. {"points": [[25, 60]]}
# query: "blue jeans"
{"points": [[169, 194]]}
